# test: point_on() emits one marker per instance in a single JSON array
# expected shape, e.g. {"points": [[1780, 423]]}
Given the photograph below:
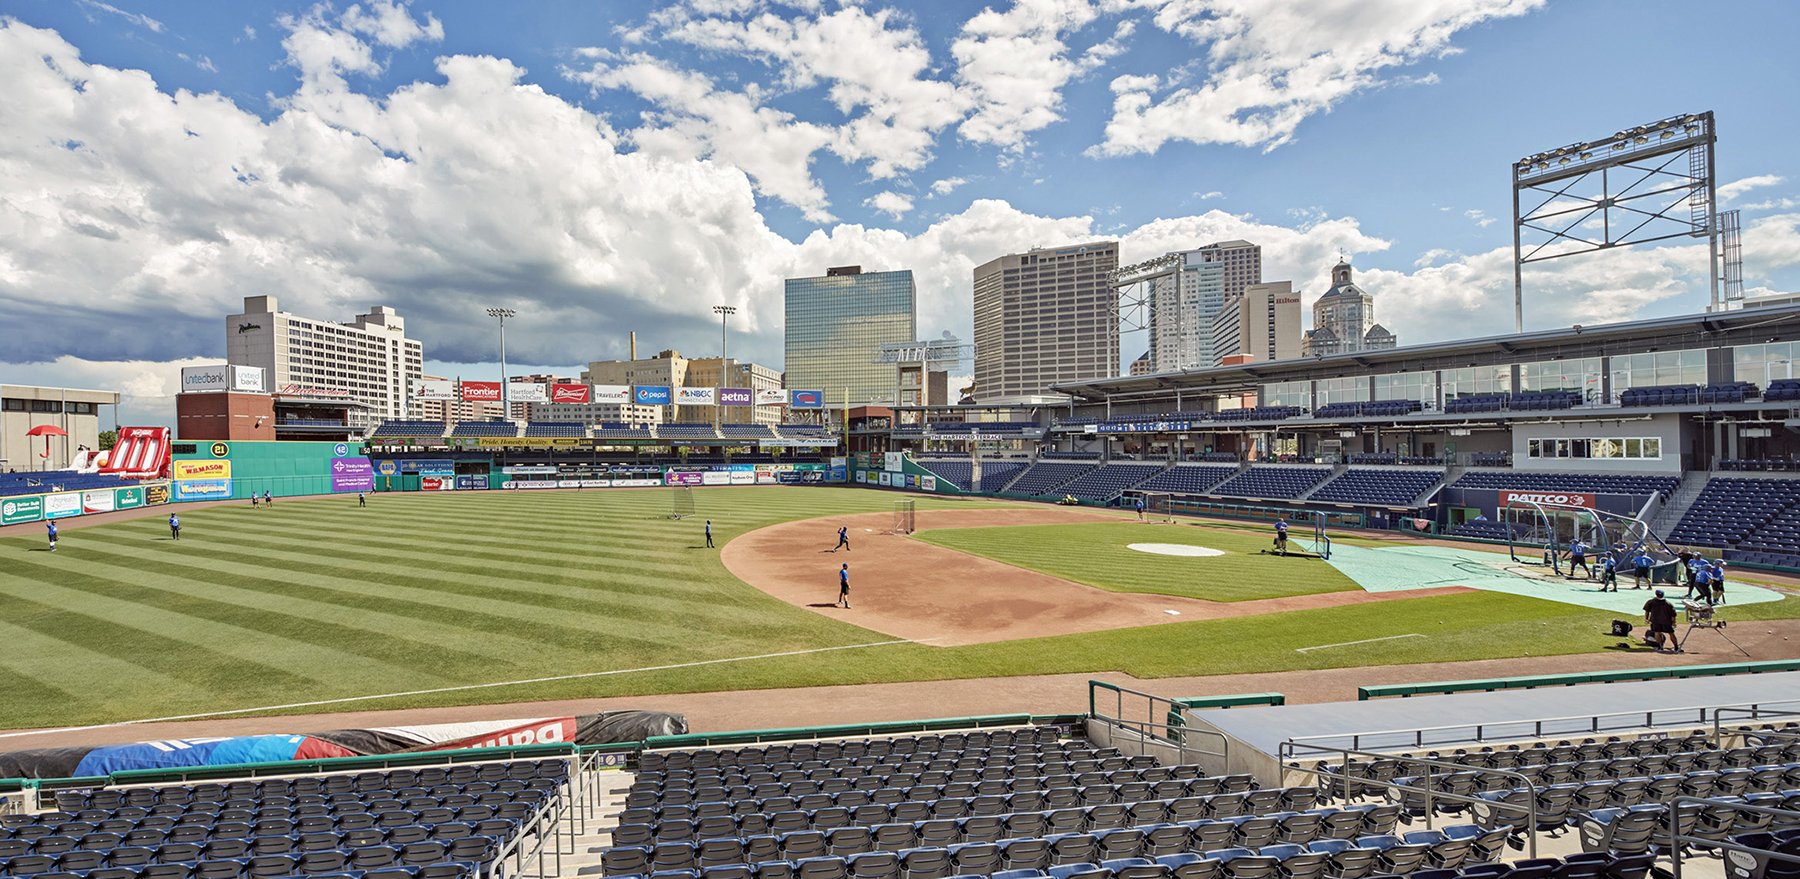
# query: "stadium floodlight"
{"points": [[1632, 187], [503, 314]]}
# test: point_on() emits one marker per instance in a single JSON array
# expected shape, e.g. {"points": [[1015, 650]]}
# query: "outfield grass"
{"points": [[1099, 555], [316, 599]]}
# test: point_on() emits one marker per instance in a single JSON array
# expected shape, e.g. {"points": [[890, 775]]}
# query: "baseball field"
{"points": [[468, 598]]}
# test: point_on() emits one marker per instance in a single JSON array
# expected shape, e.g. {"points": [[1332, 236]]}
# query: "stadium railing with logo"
{"points": [[1488, 685]]}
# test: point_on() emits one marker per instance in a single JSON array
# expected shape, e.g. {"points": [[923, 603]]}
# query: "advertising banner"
{"points": [[635, 482], [529, 483], [694, 396], [437, 483], [806, 399], [682, 477], [471, 482], [202, 489], [155, 495], [513, 442], [839, 466], [568, 483], [526, 392], [594, 483], [14, 510], [204, 378], [612, 393], [650, 395], [100, 501], [514, 469], [886, 478], [739, 478], [928, 483], [436, 389], [248, 379], [352, 474], [431, 467], [481, 392], [893, 462], [202, 470], [561, 393], [61, 506], [1558, 498], [128, 498], [771, 397], [735, 397], [714, 478]]}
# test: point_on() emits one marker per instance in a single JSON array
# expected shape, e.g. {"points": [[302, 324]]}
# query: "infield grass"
{"points": [[315, 599], [1099, 555]]}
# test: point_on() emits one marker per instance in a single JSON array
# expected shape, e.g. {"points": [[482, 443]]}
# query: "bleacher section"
{"points": [[746, 431], [1480, 403], [1370, 409], [446, 822], [1544, 400], [1755, 520], [1382, 488], [556, 429], [1008, 804], [1661, 395], [1480, 529], [1273, 482], [960, 473], [1782, 390], [622, 431], [57, 480], [1260, 413], [1189, 479], [1108, 482], [409, 429], [1045, 477], [1525, 480], [686, 431], [485, 429]]}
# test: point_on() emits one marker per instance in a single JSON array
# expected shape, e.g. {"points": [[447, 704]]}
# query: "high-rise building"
{"points": [[370, 359], [1182, 307], [1344, 319], [836, 325], [1043, 317], [1263, 324], [1241, 260]]}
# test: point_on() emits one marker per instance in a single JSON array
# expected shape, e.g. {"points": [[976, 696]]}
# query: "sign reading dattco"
{"points": [[1557, 498]]}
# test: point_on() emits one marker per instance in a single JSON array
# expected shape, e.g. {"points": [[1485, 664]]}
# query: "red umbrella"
{"points": [[46, 431]]}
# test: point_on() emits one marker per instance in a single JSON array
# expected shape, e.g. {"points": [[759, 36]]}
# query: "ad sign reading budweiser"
{"points": [[1556, 498], [481, 392], [561, 393], [735, 397]]}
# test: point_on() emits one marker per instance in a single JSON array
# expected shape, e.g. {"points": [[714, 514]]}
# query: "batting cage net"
{"points": [[683, 504], [1158, 506], [905, 514]]}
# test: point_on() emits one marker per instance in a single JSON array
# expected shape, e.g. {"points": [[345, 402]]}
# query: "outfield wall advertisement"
{"points": [[20, 509]]}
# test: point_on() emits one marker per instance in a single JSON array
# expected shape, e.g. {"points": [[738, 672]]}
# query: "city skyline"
{"points": [[288, 149]]}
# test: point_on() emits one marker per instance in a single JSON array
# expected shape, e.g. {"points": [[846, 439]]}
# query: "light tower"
{"points": [[503, 314], [724, 312]]}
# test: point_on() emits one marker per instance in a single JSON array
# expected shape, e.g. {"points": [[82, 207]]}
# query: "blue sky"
{"points": [[619, 166]]}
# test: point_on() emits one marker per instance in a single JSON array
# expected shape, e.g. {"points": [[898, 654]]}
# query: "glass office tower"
{"points": [[837, 323]]}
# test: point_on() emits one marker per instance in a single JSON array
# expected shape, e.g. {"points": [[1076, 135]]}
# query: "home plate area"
{"points": [[1180, 549]]}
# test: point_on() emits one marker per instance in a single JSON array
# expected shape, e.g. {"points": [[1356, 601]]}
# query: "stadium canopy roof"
{"points": [[1680, 332]]}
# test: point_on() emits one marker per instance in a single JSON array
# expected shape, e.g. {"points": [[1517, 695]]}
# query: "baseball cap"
{"points": [[1659, 593]]}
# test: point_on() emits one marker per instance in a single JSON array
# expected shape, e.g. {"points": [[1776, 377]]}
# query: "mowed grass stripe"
{"points": [[468, 611], [178, 617], [57, 668], [375, 634], [130, 632]]}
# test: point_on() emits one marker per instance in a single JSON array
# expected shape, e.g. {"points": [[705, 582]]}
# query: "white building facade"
{"points": [[370, 358]]}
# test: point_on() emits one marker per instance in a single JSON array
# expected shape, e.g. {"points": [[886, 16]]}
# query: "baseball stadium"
{"points": [[1391, 624]]}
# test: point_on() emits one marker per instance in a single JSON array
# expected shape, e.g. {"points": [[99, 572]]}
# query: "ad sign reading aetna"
{"points": [[481, 392], [561, 393], [735, 397], [1553, 498]]}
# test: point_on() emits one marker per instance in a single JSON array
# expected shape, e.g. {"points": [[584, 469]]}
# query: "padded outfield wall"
{"points": [[209, 470]]}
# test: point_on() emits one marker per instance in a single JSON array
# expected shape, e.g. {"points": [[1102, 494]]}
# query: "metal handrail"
{"points": [[1676, 837], [1703, 715], [1754, 712], [1286, 756], [1147, 727]]}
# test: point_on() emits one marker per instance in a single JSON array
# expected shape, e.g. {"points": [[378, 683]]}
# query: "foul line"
{"points": [[1363, 641], [568, 677]]}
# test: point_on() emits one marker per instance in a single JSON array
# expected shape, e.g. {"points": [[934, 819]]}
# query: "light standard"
{"points": [[724, 312], [502, 314]]}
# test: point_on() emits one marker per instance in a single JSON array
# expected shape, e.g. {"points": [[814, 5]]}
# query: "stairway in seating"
{"points": [[1680, 501]]}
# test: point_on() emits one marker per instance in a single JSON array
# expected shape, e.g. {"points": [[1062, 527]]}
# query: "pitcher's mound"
{"points": [[1174, 549]]}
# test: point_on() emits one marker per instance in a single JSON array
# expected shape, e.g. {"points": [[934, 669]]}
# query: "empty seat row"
{"points": [[1272, 482], [1386, 488], [969, 766], [1044, 737]]}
